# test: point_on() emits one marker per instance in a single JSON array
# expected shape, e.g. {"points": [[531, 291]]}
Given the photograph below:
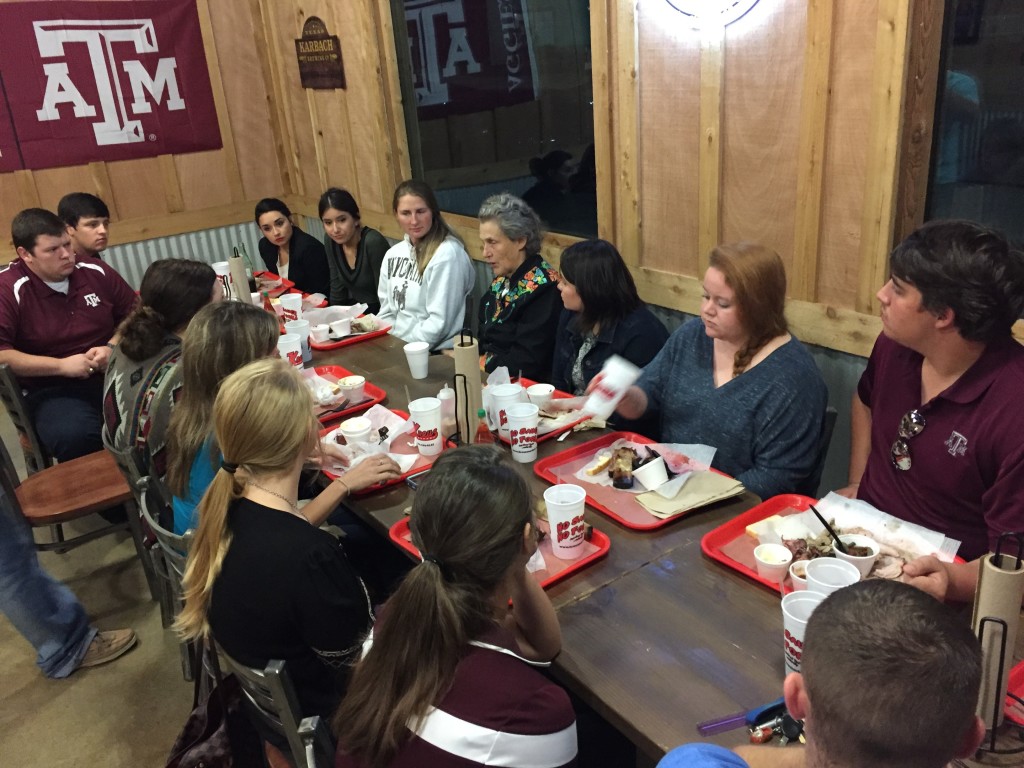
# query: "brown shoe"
{"points": [[107, 646]]}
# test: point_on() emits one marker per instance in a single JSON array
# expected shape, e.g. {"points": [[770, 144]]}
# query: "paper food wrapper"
{"points": [[398, 429], [703, 487], [326, 315], [323, 390], [1000, 588], [682, 459]]}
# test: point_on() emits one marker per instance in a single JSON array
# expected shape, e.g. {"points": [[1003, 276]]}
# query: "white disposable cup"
{"points": [[291, 306], [356, 430], [289, 346], [320, 333], [522, 431], [565, 505], [502, 396], [426, 414], [797, 608], [772, 561], [827, 574], [341, 328], [653, 474], [223, 272], [418, 355], [617, 376], [540, 394], [798, 575], [352, 388], [256, 299], [862, 564], [301, 327]]}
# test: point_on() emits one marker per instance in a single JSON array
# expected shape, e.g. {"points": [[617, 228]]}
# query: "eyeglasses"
{"points": [[911, 425]]}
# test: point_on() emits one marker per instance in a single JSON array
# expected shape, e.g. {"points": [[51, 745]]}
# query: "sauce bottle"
{"points": [[483, 432]]}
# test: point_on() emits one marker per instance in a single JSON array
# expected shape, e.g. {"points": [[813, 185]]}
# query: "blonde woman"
{"points": [[261, 577], [425, 278]]}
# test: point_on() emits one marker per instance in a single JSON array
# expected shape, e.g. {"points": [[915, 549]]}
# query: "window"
{"points": [[499, 97]]}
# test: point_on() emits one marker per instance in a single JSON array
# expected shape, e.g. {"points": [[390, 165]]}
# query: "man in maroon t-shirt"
{"points": [[59, 316], [937, 429]]}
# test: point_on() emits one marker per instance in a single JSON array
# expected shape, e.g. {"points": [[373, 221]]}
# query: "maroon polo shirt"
{"points": [[967, 473], [37, 320]]}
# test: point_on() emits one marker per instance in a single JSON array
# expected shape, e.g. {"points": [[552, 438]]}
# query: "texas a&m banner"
{"points": [[96, 81]]}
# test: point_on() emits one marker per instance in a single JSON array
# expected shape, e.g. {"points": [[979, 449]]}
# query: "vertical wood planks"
{"points": [[625, 129], [709, 151]]}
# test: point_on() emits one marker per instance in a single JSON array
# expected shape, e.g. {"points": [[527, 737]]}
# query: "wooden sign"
{"points": [[319, 56]]}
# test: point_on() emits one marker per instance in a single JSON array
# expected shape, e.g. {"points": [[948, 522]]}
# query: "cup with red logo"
{"points": [[522, 431], [502, 396], [617, 376], [565, 504], [797, 608], [289, 346], [291, 306], [426, 415]]}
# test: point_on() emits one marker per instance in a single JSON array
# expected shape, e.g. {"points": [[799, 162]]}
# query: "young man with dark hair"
{"points": [[936, 423], [58, 319], [889, 679], [88, 222]]}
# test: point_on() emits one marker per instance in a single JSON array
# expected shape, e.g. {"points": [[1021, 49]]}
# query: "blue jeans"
{"points": [[41, 608], [69, 418]]}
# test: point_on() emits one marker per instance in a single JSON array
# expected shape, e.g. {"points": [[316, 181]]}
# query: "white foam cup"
{"points": [[320, 333], [772, 561], [522, 431], [827, 574], [653, 474], [341, 328], [502, 396], [540, 394], [356, 430], [291, 306], [617, 376], [565, 504], [797, 608], [353, 388], [289, 346], [798, 575], [426, 414], [865, 563], [223, 272], [301, 327], [417, 353]]}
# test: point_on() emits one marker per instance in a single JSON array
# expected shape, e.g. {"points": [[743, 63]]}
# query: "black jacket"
{"points": [[307, 262]]}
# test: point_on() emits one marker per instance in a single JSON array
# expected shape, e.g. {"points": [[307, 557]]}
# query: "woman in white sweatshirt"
{"points": [[426, 277]]}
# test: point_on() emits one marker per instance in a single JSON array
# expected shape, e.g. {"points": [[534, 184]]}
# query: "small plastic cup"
{"points": [[502, 396], [565, 505], [798, 575], [417, 353], [540, 394], [356, 430], [289, 346], [772, 561], [426, 415], [340, 328], [320, 333], [522, 431], [256, 299], [863, 564], [291, 306], [797, 608], [301, 327], [653, 474], [827, 574], [352, 388]]}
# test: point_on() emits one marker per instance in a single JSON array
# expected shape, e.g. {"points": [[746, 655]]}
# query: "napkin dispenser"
{"points": [[468, 389]]}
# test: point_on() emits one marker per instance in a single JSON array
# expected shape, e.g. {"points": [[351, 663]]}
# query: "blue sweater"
{"points": [[765, 423]]}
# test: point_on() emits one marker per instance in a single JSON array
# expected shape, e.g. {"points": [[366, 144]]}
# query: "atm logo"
{"points": [[102, 81]]}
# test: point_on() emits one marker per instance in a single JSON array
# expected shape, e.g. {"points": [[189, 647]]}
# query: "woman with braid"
{"points": [[735, 378], [448, 676]]}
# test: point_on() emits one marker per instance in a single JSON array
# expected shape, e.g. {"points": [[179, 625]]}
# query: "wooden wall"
{"points": [[786, 127]]}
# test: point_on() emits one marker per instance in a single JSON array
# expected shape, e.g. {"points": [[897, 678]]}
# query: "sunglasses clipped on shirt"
{"points": [[911, 425]]}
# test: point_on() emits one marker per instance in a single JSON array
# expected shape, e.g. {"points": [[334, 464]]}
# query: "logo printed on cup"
{"points": [[295, 358], [574, 529], [523, 436]]}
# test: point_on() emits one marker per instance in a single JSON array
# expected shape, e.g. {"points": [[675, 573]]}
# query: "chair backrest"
{"points": [[9, 479], [270, 698], [828, 425], [318, 743], [36, 457], [173, 547]]}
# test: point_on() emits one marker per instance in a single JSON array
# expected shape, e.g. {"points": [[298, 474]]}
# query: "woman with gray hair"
{"points": [[519, 311]]}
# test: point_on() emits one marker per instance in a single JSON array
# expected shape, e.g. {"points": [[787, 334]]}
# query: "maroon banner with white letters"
{"points": [[96, 81]]}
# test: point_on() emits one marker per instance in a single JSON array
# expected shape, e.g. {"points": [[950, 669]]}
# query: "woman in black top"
{"points": [[262, 578], [519, 310], [289, 252], [354, 252]]}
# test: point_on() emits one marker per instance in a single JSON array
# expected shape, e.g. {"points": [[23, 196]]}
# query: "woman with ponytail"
{"points": [[447, 676], [261, 577], [142, 374], [735, 378]]}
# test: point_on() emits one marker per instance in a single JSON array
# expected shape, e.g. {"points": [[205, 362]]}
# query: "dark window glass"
{"points": [[498, 98]]}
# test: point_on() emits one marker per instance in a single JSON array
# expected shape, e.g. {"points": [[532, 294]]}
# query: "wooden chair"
{"points": [[271, 700], [36, 457]]}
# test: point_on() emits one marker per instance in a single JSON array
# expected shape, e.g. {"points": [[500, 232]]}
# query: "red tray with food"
{"points": [[372, 395], [399, 445], [619, 505], [594, 549], [556, 431], [732, 546], [269, 277], [353, 338], [1013, 709]]}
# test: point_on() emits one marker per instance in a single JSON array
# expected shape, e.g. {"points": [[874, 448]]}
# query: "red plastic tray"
{"points": [[620, 506], [556, 395], [730, 545], [285, 286], [558, 569], [399, 445], [1013, 709], [372, 394], [355, 339]]}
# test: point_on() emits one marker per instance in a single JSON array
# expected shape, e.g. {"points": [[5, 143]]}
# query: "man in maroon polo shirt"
{"points": [[937, 427], [58, 315], [88, 222]]}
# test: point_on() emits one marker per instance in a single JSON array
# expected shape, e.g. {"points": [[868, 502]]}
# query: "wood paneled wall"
{"points": [[785, 127]]}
